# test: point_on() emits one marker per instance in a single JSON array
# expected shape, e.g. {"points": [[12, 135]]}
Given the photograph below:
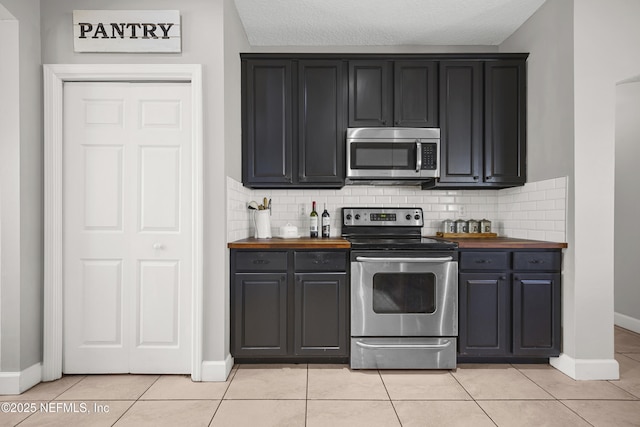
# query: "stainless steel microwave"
{"points": [[392, 155]]}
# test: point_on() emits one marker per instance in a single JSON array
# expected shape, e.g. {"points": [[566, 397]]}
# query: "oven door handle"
{"points": [[405, 259], [445, 343]]}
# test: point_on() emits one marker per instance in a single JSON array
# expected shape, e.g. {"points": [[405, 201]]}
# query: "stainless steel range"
{"points": [[404, 291]]}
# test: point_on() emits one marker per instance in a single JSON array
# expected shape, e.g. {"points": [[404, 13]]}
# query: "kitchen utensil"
{"points": [[253, 205]]}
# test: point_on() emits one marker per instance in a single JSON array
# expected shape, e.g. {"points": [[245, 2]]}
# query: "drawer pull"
{"points": [[320, 261], [261, 261], [536, 261], [483, 261]]}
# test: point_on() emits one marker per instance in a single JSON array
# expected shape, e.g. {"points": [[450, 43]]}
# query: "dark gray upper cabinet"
{"points": [[370, 93], [293, 110], [483, 124], [393, 93], [415, 94], [461, 138], [321, 122], [267, 155], [296, 109], [504, 124]]}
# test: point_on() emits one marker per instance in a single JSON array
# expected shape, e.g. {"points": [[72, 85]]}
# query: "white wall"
{"points": [[21, 162], [627, 208], [604, 38]]}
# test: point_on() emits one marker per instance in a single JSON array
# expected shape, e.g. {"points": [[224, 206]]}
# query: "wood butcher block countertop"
{"points": [[503, 243], [299, 243]]}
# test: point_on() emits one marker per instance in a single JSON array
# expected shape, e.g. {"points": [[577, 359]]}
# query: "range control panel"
{"points": [[382, 217]]}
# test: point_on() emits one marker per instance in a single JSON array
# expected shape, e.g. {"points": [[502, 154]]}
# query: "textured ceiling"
{"points": [[382, 22]]}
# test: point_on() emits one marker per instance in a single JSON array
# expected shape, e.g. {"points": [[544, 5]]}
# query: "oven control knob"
{"points": [[357, 217], [408, 217], [349, 217], [417, 217]]}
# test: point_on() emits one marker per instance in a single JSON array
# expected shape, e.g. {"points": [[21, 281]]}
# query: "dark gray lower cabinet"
{"points": [[484, 314], [509, 303], [260, 315], [290, 304], [320, 313]]}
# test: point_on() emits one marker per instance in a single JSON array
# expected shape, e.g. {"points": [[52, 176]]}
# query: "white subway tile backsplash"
{"points": [[536, 209]]}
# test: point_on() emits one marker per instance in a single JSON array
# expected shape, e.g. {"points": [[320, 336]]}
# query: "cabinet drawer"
{"points": [[261, 261], [320, 261], [537, 261], [484, 261]]}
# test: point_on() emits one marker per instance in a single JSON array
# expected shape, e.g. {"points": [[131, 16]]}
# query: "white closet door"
{"points": [[127, 228]]}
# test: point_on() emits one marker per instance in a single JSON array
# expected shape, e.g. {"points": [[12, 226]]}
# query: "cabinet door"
{"points": [[321, 309], [267, 122], [536, 314], [415, 94], [505, 127], [461, 152], [259, 326], [484, 314], [370, 93], [321, 131]]}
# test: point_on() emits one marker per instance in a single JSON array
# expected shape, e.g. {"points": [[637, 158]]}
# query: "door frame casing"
{"points": [[55, 75]]}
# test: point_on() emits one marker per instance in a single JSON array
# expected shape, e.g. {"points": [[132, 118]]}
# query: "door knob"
{"points": [[158, 246]]}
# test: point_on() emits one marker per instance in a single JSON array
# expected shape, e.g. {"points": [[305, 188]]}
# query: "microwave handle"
{"points": [[418, 156]]}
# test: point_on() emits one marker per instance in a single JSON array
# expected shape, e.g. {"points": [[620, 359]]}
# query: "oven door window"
{"points": [[398, 293], [383, 155]]}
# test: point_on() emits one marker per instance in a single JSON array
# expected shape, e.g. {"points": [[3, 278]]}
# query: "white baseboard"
{"points": [[627, 322], [217, 371], [18, 382], [586, 369]]}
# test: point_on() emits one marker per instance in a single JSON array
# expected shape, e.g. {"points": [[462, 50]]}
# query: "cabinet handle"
{"points": [[488, 178], [503, 278], [320, 261], [384, 122], [261, 261], [483, 261], [475, 178], [536, 261]]}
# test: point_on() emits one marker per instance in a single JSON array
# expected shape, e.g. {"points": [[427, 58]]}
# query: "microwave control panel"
{"points": [[429, 156]]}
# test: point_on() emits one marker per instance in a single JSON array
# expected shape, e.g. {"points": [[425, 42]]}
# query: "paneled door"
{"points": [[127, 235]]}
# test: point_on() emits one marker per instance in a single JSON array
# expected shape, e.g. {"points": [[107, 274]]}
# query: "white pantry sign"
{"points": [[126, 31]]}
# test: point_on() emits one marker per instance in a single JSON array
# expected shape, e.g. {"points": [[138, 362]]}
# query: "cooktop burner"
{"points": [[388, 229]]}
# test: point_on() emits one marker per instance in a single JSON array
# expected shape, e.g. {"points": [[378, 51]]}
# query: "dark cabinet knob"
{"points": [[488, 178], [503, 278], [475, 178], [384, 122]]}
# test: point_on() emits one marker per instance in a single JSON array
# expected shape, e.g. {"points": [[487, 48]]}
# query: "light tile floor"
{"points": [[332, 395]]}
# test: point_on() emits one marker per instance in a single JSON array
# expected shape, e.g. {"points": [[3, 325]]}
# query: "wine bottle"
{"points": [[326, 222], [313, 223]]}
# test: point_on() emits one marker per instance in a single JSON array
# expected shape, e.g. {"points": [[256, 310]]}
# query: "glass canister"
{"points": [[485, 226], [448, 226], [462, 226], [474, 226]]}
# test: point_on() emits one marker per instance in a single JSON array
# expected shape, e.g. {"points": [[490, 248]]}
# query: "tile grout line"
{"points": [[306, 400], [389, 395], [232, 376], [472, 398], [135, 401]]}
